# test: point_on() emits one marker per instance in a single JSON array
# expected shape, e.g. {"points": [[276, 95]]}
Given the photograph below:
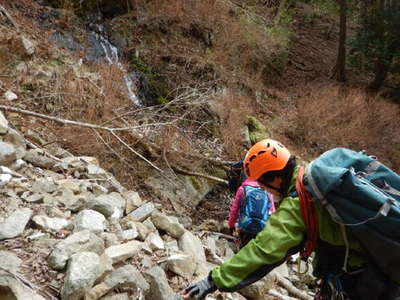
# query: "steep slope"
{"points": [[70, 230]]}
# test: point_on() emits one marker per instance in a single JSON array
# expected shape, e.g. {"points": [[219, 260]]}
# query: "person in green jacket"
{"points": [[275, 169]]}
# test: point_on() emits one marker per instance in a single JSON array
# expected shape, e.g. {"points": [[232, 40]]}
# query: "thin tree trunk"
{"points": [[133, 4], [339, 70], [383, 63], [381, 72]]}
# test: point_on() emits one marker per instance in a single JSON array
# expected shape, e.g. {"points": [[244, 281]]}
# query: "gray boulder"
{"points": [[192, 245], [77, 242], [154, 241], [142, 213], [90, 220], [8, 154], [181, 264], [15, 224], [133, 201], [37, 158], [123, 251], [126, 276], [54, 224], [82, 271], [168, 224], [3, 124], [9, 261], [107, 204], [44, 185], [123, 296], [12, 289], [160, 289]]}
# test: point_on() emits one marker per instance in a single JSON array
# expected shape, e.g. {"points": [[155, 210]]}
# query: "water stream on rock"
{"points": [[111, 54]]}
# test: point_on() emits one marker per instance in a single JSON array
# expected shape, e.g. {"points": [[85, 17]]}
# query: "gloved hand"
{"points": [[200, 289]]}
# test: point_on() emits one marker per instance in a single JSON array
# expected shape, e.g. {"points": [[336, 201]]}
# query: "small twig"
{"points": [[136, 136], [221, 235], [5, 12], [49, 143], [137, 153], [109, 147], [186, 172], [167, 162], [94, 84], [279, 295], [48, 295], [33, 146], [21, 279]]}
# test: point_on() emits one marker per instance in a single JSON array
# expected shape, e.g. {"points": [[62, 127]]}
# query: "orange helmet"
{"points": [[265, 156]]}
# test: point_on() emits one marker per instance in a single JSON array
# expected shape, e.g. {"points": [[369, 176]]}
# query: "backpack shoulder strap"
{"points": [[309, 215]]}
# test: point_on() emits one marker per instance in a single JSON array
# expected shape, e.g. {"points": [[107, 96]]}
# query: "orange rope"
{"points": [[309, 215]]}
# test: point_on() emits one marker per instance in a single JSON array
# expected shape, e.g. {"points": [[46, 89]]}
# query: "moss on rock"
{"points": [[197, 184], [257, 130]]}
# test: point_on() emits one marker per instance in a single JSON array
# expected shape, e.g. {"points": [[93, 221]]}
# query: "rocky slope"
{"points": [[69, 230]]}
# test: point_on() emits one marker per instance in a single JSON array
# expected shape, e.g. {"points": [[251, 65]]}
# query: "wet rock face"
{"points": [[65, 40], [100, 49], [101, 44], [141, 86]]}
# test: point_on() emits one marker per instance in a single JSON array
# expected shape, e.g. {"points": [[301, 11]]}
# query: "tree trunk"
{"points": [[381, 72], [132, 4], [384, 61], [339, 70]]}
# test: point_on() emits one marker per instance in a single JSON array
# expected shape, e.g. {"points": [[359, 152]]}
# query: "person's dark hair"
{"points": [[286, 174]]}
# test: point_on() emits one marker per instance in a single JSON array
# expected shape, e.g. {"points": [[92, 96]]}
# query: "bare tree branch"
{"points": [[217, 179], [167, 162], [109, 147], [82, 124], [291, 288], [33, 146]]}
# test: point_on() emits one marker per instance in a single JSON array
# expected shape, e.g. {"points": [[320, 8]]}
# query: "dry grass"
{"points": [[232, 111], [334, 116], [232, 40]]}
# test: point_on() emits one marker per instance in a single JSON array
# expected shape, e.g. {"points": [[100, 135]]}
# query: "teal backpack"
{"points": [[363, 195], [254, 209]]}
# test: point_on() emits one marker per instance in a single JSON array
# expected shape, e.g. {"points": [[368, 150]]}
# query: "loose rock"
{"points": [[83, 269], [15, 224], [77, 242]]}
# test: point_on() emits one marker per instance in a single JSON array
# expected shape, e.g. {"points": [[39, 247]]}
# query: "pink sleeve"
{"points": [[272, 209], [234, 211]]}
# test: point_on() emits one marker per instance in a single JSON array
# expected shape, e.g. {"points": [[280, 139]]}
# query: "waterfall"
{"points": [[111, 55]]}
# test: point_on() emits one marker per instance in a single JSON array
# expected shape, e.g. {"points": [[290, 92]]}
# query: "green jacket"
{"points": [[283, 236]]}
